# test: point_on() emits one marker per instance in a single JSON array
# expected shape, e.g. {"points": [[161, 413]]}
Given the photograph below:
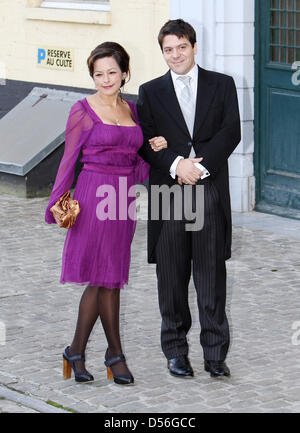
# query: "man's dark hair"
{"points": [[180, 28]]}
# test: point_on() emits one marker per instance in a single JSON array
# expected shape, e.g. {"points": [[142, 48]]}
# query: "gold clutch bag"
{"points": [[65, 211]]}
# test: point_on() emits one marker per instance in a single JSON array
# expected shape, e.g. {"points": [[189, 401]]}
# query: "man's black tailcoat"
{"points": [[216, 134]]}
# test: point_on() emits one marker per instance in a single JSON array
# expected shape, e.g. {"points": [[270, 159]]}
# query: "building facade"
{"points": [[46, 43]]}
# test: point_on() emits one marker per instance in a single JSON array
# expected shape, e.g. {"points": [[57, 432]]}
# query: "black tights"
{"points": [[99, 301]]}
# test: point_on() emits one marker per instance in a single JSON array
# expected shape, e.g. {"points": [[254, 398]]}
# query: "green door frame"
{"points": [[257, 97], [260, 22]]}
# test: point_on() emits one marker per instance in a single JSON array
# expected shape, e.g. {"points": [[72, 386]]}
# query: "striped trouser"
{"points": [[178, 252]]}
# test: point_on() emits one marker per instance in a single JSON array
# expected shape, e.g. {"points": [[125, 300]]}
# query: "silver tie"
{"points": [[187, 106]]}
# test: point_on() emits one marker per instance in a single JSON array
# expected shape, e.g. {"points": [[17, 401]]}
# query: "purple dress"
{"points": [[97, 248]]}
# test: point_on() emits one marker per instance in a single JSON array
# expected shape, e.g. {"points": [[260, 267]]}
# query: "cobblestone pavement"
{"points": [[38, 317], [7, 406]]}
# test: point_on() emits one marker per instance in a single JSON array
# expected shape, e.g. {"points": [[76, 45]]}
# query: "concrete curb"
{"points": [[31, 402]]}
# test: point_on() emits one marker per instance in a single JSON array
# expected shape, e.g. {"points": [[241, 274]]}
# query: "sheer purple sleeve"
{"points": [[78, 128], [142, 168]]}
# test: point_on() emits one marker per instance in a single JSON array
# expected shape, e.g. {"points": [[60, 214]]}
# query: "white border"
{"points": [[81, 6]]}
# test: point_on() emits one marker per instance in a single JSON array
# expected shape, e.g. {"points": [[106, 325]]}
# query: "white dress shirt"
{"points": [[179, 86]]}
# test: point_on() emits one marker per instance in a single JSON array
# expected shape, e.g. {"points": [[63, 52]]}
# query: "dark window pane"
{"points": [[274, 19], [284, 31], [282, 4], [273, 54], [290, 19], [282, 19], [282, 55], [290, 37], [290, 55], [274, 36], [282, 37]]}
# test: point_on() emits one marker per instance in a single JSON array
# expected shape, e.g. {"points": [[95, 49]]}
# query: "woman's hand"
{"points": [[158, 143]]}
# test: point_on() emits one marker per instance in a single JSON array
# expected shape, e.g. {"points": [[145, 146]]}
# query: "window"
{"points": [[70, 11], [102, 5], [285, 31]]}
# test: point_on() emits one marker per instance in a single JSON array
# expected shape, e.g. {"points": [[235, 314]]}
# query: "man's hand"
{"points": [[187, 172]]}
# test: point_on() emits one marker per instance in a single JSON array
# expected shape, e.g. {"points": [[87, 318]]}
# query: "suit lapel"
{"points": [[170, 102], [205, 93]]}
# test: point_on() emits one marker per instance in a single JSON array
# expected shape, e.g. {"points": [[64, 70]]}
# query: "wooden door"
{"points": [[277, 107]]}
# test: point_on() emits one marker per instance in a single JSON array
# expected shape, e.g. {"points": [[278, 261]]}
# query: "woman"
{"points": [[96, 252]]}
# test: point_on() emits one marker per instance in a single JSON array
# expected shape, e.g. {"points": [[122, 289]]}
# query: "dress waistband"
{"points": [[108, 169]]}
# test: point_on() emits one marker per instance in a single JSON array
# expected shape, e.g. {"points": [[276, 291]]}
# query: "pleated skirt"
{"points": [[97, 248]]}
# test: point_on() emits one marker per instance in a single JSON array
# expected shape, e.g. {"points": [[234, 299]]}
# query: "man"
{"points": [[196, 111]]}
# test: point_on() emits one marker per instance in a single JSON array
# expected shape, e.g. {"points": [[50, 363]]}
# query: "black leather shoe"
{"points": [[180, 367], [216, 368]]}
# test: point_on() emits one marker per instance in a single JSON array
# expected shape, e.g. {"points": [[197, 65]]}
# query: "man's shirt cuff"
{"points": [[173, 168], [201, 167]]}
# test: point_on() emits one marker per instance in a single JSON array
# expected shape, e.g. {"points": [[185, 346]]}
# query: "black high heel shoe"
{"points": [[124, 379], [69, 364]]}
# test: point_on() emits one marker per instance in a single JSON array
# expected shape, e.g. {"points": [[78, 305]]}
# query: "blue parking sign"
{"points": [[41, 54]]}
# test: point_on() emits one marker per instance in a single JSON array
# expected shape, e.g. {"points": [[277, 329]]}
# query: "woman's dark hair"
{"points": [[179, 28], [110, 49]]}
